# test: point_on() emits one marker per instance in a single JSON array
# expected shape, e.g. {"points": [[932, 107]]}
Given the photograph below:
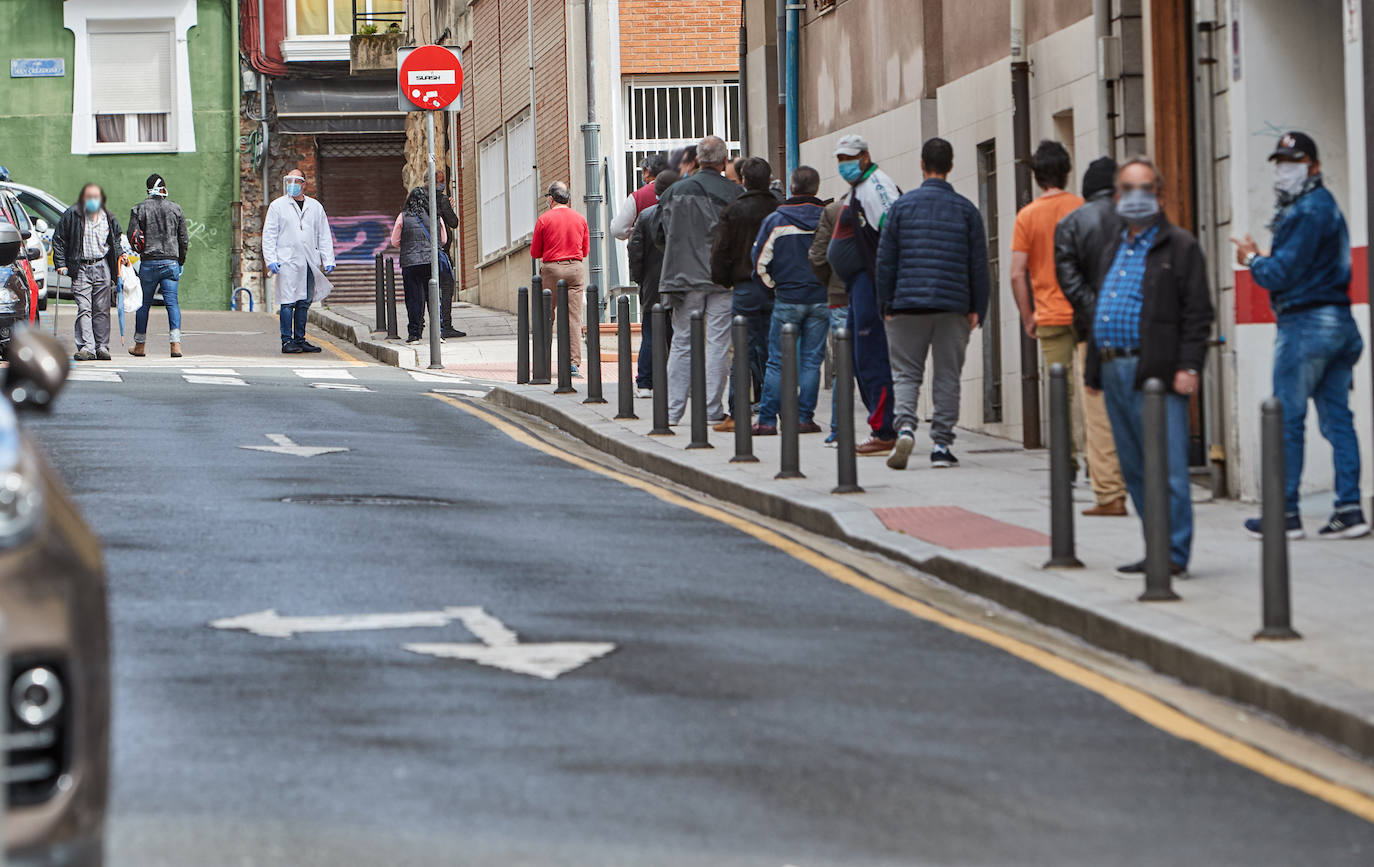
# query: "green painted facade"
{"points": [[36, 137]]}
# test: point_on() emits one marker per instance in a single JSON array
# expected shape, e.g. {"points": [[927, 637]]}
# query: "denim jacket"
{"points": [[1309, 265]]}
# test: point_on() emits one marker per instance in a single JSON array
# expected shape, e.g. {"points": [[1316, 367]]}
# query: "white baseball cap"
{"points": [[851, 146]]}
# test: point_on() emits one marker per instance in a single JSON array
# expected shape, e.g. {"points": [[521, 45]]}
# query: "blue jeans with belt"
{"points": [[157, 274], [293, 316], [1125, 408], [1314, 359]]}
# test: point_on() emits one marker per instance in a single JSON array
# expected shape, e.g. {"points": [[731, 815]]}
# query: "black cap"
{"points": [[1101, 175], [1294, 146]]}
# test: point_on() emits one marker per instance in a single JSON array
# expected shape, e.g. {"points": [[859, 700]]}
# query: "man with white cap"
{"points": [[853, 255]]}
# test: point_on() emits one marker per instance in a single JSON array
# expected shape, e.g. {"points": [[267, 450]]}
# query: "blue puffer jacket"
{"points": [[933, 254], [782, 251], [1309, 265]]}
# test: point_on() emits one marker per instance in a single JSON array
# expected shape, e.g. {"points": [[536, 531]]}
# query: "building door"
{"points": [[361, 190]]}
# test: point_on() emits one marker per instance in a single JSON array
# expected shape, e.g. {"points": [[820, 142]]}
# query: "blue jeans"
{"points": [[839, 318], [293, 316], [1314, 356], [155, 274], [1125, 409], [753, 302], [812, 321]]}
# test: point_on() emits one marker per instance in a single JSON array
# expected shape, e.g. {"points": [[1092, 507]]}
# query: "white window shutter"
{"points": [[521, 145], [491, 190], [131, 73]]}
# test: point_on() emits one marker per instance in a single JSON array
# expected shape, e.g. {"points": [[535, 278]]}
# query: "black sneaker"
{"points": [[942, 458], [1137, 569], [307, 346], [1345, 524], [452, 332], [1292, 527], [291, 347]]}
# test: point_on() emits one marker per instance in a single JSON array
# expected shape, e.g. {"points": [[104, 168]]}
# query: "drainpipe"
{"points": [[1367, 49], [1102, 25], [591, 154], [534, 125], [262, 113], [780, 55], [743, 80], [793, 49], [1021, 152]]}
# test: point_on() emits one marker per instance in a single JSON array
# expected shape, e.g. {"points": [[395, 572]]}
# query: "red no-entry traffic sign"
{"points": [[431, 77]]}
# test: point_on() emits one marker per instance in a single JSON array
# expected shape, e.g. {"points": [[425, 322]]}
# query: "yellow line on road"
{"points": [[1134, 701], [327, 342]]}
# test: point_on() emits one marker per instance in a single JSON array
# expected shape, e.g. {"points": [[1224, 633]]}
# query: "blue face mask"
{"points": [[92, 206], [440, 186], [1137, 206], [851, 171], [293, 190]]}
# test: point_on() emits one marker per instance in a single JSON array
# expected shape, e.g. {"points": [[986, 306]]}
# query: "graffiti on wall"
{"points": [[361, 237]]}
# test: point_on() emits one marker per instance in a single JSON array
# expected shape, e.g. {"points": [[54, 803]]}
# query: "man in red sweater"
{"points": [[561, 241]]}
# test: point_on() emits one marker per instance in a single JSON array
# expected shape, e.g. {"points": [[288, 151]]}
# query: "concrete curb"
{"points": [[1308, 706], [359, 334]]}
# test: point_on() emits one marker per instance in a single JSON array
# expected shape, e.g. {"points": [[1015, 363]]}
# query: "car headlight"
{"points": [[36, 696], [21, 491]]}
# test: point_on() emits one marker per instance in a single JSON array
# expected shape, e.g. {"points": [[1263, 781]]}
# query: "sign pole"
{"points": [[435, 360]]}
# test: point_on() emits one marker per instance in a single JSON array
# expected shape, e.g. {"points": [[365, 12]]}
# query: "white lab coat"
{"points": [[298, 239]]}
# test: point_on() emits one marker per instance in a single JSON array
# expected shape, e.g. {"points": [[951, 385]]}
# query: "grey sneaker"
{"points": [[906, 441], [1345, 524]]}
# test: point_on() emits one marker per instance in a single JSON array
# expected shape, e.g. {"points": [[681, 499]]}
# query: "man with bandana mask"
{"points": [[1153, 320], [1307, 275], [157, 231]]}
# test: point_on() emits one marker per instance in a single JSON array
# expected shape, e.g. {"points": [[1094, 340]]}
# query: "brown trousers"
{"points": [[571, 271]]}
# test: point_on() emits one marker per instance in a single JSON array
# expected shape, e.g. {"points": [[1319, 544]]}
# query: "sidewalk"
{"points": [[983, 526]]}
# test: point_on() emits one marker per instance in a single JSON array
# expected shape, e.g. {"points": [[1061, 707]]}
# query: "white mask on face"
{"points": [[1289, 177]]}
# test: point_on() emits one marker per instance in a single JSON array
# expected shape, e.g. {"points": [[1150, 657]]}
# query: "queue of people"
{"points": [[1107, 286]]}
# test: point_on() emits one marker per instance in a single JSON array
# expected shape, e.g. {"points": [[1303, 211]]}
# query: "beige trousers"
{"points": [[1102, 464], [571, 271]]}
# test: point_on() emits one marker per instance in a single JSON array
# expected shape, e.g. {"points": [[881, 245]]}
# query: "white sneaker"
{"points": [[906, 441], [644, 392]]}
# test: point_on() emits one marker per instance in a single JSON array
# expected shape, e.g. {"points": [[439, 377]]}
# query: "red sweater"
{"points": [[560, 233]]}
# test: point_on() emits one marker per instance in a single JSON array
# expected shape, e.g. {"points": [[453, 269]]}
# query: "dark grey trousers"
{"points": [[910, 339]]}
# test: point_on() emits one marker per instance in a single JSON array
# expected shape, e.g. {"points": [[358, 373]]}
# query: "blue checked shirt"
{"points": [[1116, 323]]}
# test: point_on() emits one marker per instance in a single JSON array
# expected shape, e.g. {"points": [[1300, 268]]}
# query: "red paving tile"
{"points": [[958, 529]]}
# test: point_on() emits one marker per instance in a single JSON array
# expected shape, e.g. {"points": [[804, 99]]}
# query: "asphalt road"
{"points": [[755, 712]]}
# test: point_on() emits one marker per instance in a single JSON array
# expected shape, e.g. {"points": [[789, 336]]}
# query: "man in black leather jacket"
{"points": [[157, 232], [1079, 242]]}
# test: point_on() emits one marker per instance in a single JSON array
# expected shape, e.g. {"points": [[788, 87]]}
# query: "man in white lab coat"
{"points": [[299, 250]]}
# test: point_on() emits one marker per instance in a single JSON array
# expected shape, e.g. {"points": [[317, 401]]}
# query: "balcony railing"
{"points": [[367, 23]]}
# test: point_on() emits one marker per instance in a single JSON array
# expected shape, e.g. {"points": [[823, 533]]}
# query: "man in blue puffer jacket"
{"points": [[1307, 274], [782, 260], [933, 287]]}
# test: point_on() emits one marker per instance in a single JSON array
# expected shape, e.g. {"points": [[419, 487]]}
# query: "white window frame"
{"points": [[720, 90], [491, 247], [320, 46], [177, 17], [520, 181]]}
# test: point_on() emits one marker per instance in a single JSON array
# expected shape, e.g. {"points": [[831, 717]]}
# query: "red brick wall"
{"points": [[658, 38]]}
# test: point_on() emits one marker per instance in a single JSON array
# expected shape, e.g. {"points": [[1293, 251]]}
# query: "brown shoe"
{"points": [[176, 350], [874, 447], [1115, 509], [808, 427], [138, 350], [725, 425]]}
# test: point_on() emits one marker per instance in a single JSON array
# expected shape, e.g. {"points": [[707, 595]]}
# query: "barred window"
{"points": [[665, 115]]}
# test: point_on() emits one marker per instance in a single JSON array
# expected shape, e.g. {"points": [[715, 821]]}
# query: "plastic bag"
{"points": [[130, 290]]}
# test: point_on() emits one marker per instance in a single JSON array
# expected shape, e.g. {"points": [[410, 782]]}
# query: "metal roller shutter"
{"points": [[360, 188]]}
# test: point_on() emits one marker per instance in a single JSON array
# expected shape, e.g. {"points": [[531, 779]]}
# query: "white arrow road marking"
{"points": [[341, 386], [198, 379], [500, 647], [284, 445], [273, 625], [323, 373]]}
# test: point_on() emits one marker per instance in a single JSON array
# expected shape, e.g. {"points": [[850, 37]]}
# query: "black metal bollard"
{"points": [[744, 431], [660, 348], [379, 294], [564, 342], [522, 330], [626, 383], [545, 345], [1278, 620], [537, 332], [788, 410], [1062, 555], [593, 359], [699, 431], [846, 460], [391, 333], [1158, 580]]}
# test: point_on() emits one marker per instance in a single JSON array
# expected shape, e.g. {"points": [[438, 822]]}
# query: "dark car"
{"points": [[55, 631]]}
